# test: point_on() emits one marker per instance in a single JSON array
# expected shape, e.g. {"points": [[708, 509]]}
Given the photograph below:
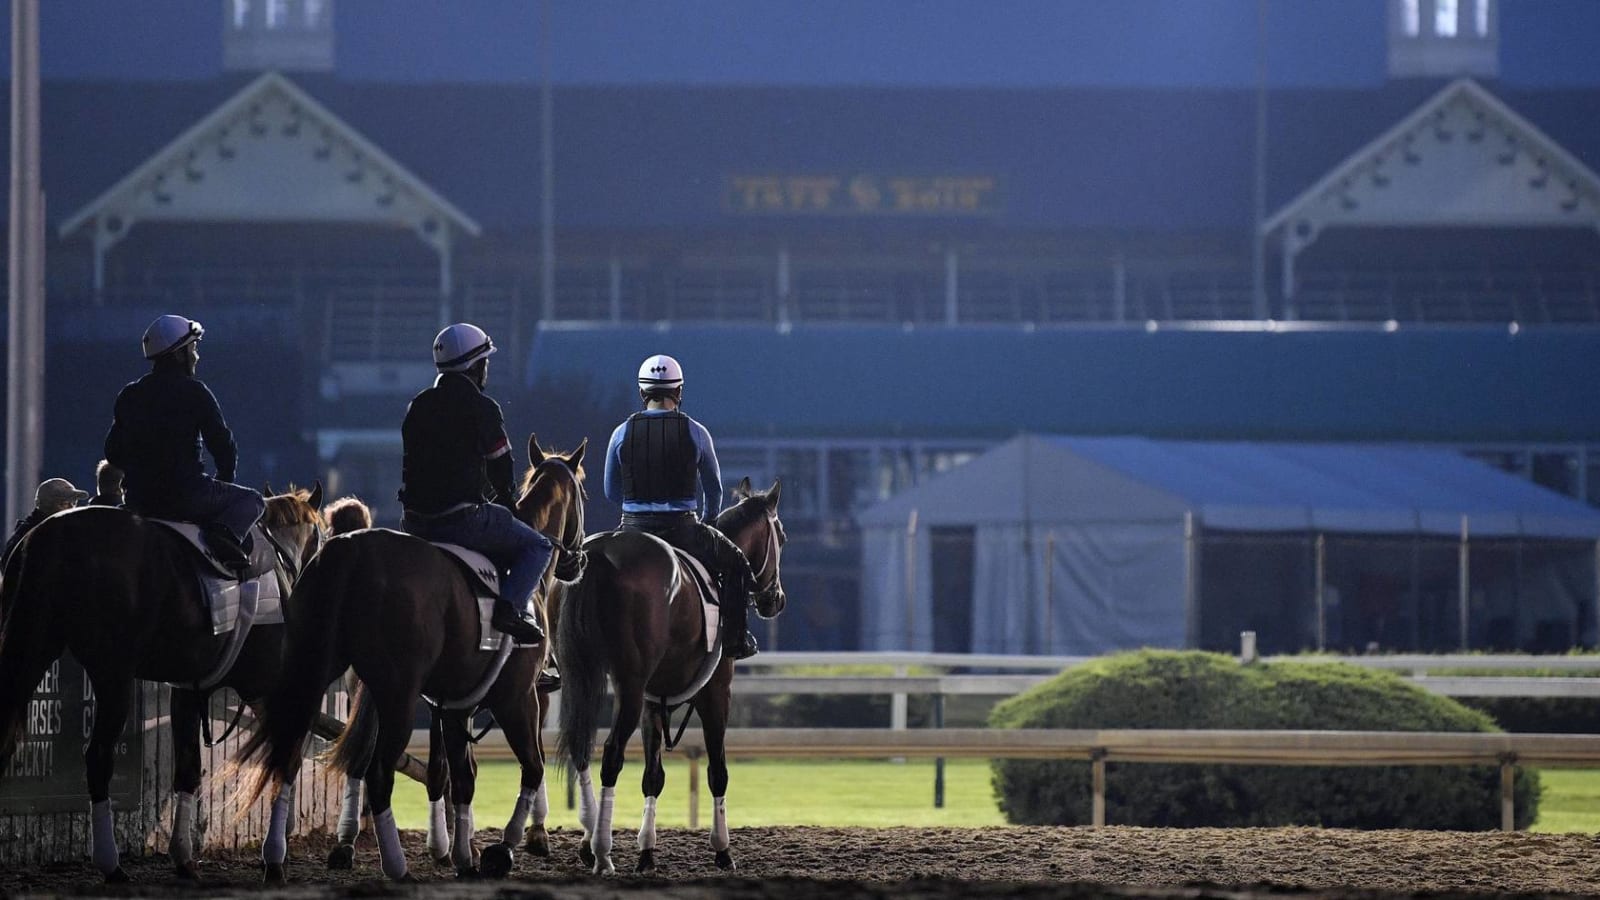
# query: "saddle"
{"points": [[710, 614], [220, 585], [484, 578]]}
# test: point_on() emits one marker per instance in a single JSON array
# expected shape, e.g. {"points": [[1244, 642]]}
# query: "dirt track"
{"points": [[845, 863]]}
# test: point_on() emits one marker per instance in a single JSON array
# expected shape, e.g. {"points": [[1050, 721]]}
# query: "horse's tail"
{"points": [[30, 638], [580, 652], [310, 662], [352, 752]]}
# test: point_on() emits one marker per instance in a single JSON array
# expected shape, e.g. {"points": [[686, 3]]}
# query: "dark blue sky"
{"points": [[1202, 43]]}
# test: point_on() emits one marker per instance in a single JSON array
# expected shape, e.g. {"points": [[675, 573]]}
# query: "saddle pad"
{"points": [[222, 597], [263, 559], [485, 581], [705, 585]]}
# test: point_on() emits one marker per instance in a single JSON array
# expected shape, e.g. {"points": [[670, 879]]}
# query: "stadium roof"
{"points": [[661, 156], [1240, 487], [1478, 384]]}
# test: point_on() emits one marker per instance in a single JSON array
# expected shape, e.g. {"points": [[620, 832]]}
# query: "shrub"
{"points": [[1169, 689]]}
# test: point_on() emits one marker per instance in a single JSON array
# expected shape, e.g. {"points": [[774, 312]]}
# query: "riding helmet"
{"points": [[169, 333], [660, 373], [459, 346]]}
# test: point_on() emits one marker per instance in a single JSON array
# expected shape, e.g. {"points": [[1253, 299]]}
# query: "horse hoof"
{"points": [[725, 861], [118, 876], [443, 862], [647, 862], [538, 843], [498, 861], [468, 874], [604, 866], [586, 855], [273, 874], [342, 857], [186, 871]]}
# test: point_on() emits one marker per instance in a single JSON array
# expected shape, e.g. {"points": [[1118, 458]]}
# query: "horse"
{"points": [[122, 595], [400, 612], [636, 616]]}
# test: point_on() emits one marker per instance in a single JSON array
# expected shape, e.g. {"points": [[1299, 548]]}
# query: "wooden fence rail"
{"points": [[1099, 747]]}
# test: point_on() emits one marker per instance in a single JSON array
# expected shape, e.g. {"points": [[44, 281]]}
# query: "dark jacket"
{"points": [[156, 435], [455, 448], [24, 525]]}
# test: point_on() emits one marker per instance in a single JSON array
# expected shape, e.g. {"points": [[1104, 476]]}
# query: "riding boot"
{"points": [[550, 679], [522, 626], [737, 641], [225, 547]]}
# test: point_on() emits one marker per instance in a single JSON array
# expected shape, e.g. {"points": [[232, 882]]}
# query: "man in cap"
{"points": [[53, 496], [157, 429]]}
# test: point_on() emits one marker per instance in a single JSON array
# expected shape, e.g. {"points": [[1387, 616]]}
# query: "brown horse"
{"points": [[401, 613], [637, 617], [121, 594]]}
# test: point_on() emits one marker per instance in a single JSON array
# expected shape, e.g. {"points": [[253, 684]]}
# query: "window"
{"points": [[1480, 17], [1445, 14], [314, 10], [241, 14], [1411, 17], [277, 13]]}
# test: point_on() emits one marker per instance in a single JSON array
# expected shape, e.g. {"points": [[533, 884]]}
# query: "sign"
{"points": [[861, 195], [46, 772]]}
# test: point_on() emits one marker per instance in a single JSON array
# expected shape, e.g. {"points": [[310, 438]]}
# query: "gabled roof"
{"points": [[272, 153], [1461, 158], [1344, 488]]}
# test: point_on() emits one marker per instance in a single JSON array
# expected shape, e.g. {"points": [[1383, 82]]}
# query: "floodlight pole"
{"points": [[1258, 261], [547, 178], [25, 350]]}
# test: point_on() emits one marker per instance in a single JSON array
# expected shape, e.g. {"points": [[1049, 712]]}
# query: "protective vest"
{"points": [[660, 462], [446, 431]]}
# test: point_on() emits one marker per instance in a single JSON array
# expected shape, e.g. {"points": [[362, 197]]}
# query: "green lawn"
{"points": [[866, 793]]}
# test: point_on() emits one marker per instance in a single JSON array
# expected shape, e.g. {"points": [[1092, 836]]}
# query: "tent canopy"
{"points": [[1239, 486]]}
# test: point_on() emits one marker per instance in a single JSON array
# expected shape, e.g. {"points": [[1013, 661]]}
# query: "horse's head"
{"points": [[753, 524], [294, 520], [552, 495]]}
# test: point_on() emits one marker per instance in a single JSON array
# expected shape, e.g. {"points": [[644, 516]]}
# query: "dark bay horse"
{"points": [[400, 613], [121, 594], [637, 617]]}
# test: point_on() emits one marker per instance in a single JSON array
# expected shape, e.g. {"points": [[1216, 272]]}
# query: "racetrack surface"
{"points": [[846, 863]]}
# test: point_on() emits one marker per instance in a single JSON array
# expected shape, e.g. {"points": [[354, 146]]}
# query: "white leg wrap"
{"points": [[438, 830], [183, 809], [541, 802], [103, 838], [390, 852], [647, 829], [519, 818], [719, 824], [350, 811], [275, 846], [602, 830], [587, 808], [462, 856]]}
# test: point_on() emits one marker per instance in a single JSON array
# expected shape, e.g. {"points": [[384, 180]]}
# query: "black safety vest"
{"points": [[660, 462], [447, 431]]}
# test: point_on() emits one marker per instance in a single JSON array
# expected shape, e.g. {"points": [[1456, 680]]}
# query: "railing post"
{"points": [[1097, 766], [1508, 792], [938, 762]]}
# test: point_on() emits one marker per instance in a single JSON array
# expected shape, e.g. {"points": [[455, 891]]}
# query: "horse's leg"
{"points": [[538, 842], [463, 777], [519, 721], [712, 704], [630, 703], [395, 710], [343, 854], [438, 792], [655, 778], [113, 698], [187, 708]]}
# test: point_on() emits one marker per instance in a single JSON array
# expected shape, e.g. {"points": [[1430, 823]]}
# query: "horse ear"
{"points": [[266, 489], [316, 495], [535, 455], [742, 489], [575, 458], [772, 494]]}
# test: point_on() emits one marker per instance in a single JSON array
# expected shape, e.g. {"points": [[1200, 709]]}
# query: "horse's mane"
{"points": [[741, 515], [347, 514], [279, 515], [549, 453]]}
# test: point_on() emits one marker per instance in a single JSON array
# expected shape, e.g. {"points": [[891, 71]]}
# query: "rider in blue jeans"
{"points": [[454, 439]]}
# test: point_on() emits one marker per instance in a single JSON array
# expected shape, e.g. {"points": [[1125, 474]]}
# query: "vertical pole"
{"points": [[1097, 766], [1258, 263], [1119, 287], [1320, 586], [952, 273], [897, 704], [1191, 605], [1291, 304], [694, 788], [1508, 790], [547, 175], [1463, 583], [1050, 591], [783, 284], [25, 356], [1595, 600], [938, 762], [446, 278], [911, 581], [615, 297]]}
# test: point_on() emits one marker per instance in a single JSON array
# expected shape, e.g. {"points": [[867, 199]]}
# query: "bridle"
{"points": [[291, 557], [570, 543], [770, 558]]}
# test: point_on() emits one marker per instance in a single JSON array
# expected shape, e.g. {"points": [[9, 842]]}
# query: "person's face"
{"points": [[483, 374], [191, 356]]}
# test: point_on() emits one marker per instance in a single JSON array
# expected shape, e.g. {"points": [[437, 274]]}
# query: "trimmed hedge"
{"points": [[1171, 689]]}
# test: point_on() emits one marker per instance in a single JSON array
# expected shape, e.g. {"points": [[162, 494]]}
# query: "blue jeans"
{"points": [[209, 500], [492, 530]]}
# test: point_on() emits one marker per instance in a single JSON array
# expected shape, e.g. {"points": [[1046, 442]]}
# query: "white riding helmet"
{"points": [[459, 346], [660, 372], [169, 333]]}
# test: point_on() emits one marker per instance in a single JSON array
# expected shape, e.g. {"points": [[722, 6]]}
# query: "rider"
{"points": [[454, 439], [155, 438], [660, 468]]}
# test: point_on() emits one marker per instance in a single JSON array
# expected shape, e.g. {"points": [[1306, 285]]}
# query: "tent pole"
{"points": [[1463, 581], [1321, 583]]}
